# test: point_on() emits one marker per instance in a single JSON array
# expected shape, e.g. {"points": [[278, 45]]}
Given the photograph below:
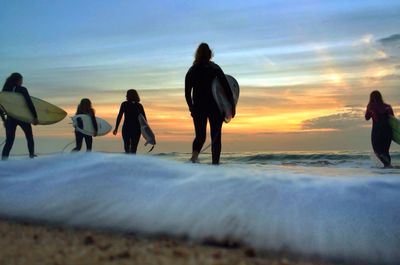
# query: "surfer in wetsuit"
{"points": [[14, 84], [85, 107], [201, 103], [131, 108], [381, 135]]}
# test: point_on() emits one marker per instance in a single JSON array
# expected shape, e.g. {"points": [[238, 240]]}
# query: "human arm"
{"points": [[389, 111], [188, 90], [94, 123], [119, 117], [29, 102], [2, 115], [368, 114], [141, 111]]}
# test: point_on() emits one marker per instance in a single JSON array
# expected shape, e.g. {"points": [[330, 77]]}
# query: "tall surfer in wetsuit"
{"points": [[201, 103], [131, 108], [381, 135], [14, 84]]}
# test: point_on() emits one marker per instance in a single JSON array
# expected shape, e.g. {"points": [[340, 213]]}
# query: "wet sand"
{"points": [[32, 243]]}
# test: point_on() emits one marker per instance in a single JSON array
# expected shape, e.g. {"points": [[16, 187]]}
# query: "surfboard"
{"points": [[146, 131], [103, 127], [221, 99], [395, 124], [15, 106]]}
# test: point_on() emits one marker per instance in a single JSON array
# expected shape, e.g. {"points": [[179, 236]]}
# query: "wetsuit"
{"points": [[201, 103], [381, 135], [131, 127], [80, 136], [11, 125]]}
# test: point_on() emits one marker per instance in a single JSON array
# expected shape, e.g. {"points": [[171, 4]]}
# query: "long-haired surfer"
{"points": [[14, 84], [131, 108], [201, 103], [85, 107], [381, 134]]}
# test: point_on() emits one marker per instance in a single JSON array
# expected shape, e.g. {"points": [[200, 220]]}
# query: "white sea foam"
{"points": [[353, 215]]}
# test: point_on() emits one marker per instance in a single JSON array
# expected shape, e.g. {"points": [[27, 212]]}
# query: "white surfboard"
{"points": [[221, 99], [147, 133], [103, 127], [15, 106]]}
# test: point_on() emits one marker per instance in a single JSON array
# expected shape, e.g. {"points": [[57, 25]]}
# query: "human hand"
{"points": [[95, 134], [115, 132], [35, 121], [233, 112], [191, 109]]}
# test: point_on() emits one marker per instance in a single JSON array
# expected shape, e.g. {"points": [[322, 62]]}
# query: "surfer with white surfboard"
{"points": [[135, 123], [85, 108], [14, 84], [382, 134], [203, 105]]}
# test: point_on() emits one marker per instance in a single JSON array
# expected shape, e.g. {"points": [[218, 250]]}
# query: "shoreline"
{"points": [[24, 242]]}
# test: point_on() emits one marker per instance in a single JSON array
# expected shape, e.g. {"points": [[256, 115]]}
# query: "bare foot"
{"points": [[195, 157]]}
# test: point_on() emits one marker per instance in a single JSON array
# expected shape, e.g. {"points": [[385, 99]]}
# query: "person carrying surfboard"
{"points": [[131, 131], [14, 84], [201, 103], [85, 107], [381, 134]]}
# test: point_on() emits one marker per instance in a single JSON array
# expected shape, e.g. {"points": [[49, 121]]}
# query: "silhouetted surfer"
{"points": [[85, 107], [202, 106], [381, 135], [131, 127], [14, 84]]}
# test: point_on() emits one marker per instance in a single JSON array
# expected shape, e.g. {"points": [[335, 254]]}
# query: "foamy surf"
{"points": [[345, 214]]}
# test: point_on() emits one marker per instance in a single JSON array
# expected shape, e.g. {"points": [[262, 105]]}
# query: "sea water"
{"points": [[333, 205]]}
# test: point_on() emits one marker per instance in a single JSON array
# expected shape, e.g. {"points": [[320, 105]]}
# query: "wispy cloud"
{"points": [[348, 119], [393, 40]]}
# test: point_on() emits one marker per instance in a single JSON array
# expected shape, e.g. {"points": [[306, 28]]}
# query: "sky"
{"points": [[305, 68]]}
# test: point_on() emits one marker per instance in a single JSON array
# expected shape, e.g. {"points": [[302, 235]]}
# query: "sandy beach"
{"points": [[27, 243]]}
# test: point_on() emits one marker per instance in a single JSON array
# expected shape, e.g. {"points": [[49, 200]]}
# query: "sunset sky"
{"points": [[305, 68]]}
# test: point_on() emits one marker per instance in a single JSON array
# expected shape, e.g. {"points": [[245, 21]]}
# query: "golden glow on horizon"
{"points": [[169, 117]]}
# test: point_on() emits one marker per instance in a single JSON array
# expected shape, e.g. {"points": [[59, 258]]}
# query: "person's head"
{"points": [[85, 106], [375, 97], [15, 79], [132, 95], [203, 54]]}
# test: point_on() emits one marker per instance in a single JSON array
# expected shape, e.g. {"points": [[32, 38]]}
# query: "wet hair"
{"points": [[85, 107], [12, 81], [376, 97], [132, 95], [203, 54]]}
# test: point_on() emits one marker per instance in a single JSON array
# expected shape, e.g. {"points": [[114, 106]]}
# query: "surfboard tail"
{"points": [[152, 142]]}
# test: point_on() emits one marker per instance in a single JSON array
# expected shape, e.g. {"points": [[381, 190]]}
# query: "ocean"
{"points": [[335, 205]]}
